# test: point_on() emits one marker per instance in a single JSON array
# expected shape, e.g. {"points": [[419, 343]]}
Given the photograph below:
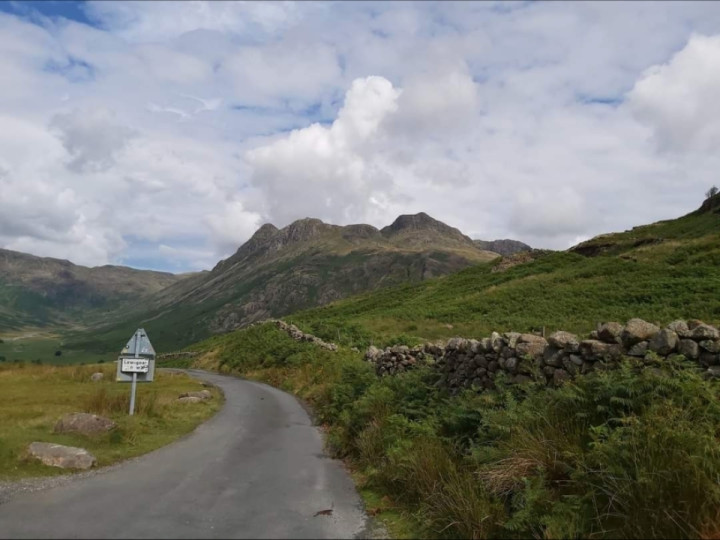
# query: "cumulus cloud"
{"points": [[678, 100], [166, 130], [92, 138]]}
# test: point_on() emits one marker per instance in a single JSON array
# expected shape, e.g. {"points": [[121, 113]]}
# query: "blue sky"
{"points": [[163, 134]]}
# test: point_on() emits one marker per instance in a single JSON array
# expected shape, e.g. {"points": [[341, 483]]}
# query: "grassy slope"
{"points": [[658, 272], [35, 397]]}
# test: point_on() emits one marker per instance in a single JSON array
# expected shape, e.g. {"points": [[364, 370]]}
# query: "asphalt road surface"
{"points": [[255, 470]]}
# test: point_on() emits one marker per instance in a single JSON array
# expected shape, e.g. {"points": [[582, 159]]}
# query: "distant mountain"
{"points": [[306, 264], [37, 291], [503, 247]]}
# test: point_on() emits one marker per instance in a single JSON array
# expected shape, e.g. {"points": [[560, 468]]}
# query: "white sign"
{"points": [[135, 365]]}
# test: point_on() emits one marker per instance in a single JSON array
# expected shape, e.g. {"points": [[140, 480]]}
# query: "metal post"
{"points": [[132, 394], [134, 381]]}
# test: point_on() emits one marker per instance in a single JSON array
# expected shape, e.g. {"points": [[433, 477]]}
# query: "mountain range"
{"points": [[276, 272]]}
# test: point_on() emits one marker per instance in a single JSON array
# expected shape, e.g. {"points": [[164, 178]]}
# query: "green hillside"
{"points": [[281, 271], [658, 272]]}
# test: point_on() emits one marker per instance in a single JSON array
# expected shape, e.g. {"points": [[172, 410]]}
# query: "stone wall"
{"points": [[471, 363], [298, 335], [174, 355]]}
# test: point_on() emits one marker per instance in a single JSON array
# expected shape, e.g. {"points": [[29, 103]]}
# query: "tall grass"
{"points": [[626, 453]]}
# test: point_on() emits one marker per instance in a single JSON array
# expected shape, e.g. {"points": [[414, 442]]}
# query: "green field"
{"points": [[42, 347], [35, 397]]}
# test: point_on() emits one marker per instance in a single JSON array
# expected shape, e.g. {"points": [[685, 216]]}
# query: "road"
{"points": [[255, 470]]}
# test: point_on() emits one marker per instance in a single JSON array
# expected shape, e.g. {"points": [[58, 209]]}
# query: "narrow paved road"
{"points": [[255, 470]]}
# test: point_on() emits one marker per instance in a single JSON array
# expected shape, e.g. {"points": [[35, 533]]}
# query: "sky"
{"points": [[161, 135]]}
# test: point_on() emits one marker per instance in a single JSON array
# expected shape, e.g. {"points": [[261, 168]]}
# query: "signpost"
{"points": [[138, 365]]}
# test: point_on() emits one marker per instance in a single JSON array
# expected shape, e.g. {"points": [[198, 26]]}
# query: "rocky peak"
{"points": [[504, 247], [304, 229], [408, 224]]}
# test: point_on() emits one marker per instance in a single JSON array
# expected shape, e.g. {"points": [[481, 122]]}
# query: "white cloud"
{"points": [[679, 101], [186, 125]]}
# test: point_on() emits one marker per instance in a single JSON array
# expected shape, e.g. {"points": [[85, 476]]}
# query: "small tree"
{"points": [[711, 192]]}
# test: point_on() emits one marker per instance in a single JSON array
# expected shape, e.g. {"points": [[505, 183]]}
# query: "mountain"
{"points": [[504, 247], [39, 291], [659, 272], [306, 264]]}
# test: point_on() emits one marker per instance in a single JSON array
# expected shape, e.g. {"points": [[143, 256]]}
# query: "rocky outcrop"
{"points": [[473, 363], [84, 424], [504, 247], [65, 457]]}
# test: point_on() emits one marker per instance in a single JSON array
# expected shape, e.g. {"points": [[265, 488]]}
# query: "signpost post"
{"points": [[138, 366]]}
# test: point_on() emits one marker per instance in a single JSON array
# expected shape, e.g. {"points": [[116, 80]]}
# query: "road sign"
{"points": [[135, 365]]}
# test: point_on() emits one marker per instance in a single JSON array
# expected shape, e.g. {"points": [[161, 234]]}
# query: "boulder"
{"points": [[637, 330], [190, 399], [610, 332], [694, 323], [710, 345], [84, 423], [511, 364], [496, 342], [202, 394], [594, 349], [564, 340], [664, 342], [65, 457], [705, 331], [553, 356], [680, 327], [372, 353], [512, 338], [530, 344], [639, 349], [689, 349], [456, 344], [97, 377]]}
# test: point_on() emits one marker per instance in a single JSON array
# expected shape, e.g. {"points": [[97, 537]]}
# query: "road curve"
{"points": [[255, 470]]}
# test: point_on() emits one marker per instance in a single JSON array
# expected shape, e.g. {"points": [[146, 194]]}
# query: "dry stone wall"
{"points": [[472, 363]]}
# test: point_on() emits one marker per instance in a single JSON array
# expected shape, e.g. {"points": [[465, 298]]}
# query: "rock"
{"points": [[610, 332], [65, 457], [496, 342], [713, 372], [202, 394], [594, 335], [84, 423], [96, 377], [190, 399], [486, 345], [474, 346], [637, 330], [530, 344], [689, 349], [575, 359], [560, 376], [520, 379], [511, 364], [455, 344], [708, 358], [664, 342], [372, 353], [710, 345], [553, 356], [512, 338], [705, 331], [639, 349], [594, 349], [563, 340], [694, 323], [680, 327]]}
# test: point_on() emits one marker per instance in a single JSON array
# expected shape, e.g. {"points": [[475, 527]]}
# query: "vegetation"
{"points": [[627, 453], [658, 272], [35, 397]]}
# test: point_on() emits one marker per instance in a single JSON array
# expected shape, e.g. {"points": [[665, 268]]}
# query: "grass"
{"points": [[40, 346], [35, 397], [625, 453]]}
